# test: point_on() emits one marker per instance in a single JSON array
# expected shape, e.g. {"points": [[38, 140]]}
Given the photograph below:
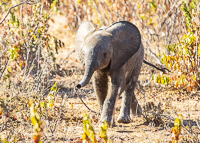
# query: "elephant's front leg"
{"points": [[116, 86], [124, 116], [100, 85]]}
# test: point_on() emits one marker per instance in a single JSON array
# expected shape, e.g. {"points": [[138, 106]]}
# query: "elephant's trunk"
{"points": [[89, 70]]}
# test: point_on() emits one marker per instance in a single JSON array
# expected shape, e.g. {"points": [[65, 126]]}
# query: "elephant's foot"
{"points": [[136, 110], [110, 121], [123, 118]]}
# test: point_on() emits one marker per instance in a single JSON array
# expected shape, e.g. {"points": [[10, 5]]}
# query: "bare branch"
{"points": [[96, 7], [4, 52], [67, 57], [75, 92], [27, 2], [3, 4], [4, 67]]}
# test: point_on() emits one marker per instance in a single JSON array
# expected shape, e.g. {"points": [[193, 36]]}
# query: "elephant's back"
{"points": [[122, 24], [125, 28]]}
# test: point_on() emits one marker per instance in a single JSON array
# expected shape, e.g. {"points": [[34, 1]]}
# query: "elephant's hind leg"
{"points": [[136, 109], [130, 106], [100, 85]]}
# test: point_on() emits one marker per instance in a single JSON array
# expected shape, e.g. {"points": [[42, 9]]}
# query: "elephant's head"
{"points": [[112, 46]]}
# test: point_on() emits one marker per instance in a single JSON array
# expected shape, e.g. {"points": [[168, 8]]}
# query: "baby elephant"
{"points": [[114, 56]]}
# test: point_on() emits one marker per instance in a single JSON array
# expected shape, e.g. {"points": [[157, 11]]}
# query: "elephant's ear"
{"points": [[126, 42], [84, 30]]}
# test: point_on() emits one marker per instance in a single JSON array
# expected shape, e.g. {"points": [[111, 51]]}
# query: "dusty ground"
{"points": [[172, 101]]}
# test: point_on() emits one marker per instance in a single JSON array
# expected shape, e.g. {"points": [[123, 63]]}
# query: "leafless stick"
{"points": [[78, 14], [144, 98], [173, 23], [4, 52], [197, 57], [157, 59], [10, 9], [28, 50], [103, 22], [67, 56], [169, 13], [111, 15], [4, 67], [75, 92], [153, 54], [160, 115], [14, 7], [197, 122], [21, 12], [56, 123], [3, 4]]}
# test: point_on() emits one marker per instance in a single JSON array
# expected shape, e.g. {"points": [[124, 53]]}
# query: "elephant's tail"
{"points": [[160, 69]]}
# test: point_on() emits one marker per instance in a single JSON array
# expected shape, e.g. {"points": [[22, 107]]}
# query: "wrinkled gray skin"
{"points": [[113, 56]]}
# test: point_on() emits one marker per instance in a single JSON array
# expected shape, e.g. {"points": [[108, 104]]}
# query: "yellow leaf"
{"points": [[79, 1], [89, 3], [142, 16], [194, 77], [172, 58], [9, 69], [180, 115], [177, 123], [3, 139], [193, 63]]}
